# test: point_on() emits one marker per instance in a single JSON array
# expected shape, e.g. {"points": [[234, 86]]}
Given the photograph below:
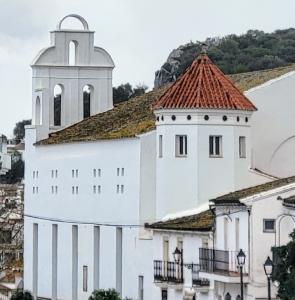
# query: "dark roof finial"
{"points": [[204, 48]]}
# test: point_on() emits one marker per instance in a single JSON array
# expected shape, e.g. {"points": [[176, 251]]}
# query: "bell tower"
{"points": [[72, 79]]}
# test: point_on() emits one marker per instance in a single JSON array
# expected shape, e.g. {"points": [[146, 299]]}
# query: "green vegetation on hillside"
{"points": [[255, 50]]}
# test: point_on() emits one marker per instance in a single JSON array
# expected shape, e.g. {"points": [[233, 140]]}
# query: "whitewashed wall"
{"points": [[273, 128], [106, 208], [192, 241], [186, 182], [93, 66], [253, 240]]}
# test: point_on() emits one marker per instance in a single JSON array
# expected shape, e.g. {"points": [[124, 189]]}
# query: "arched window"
{"points": [[87, 99], [227, 296], [57, 105], [73, 53], [238, 297], [38, 111]]}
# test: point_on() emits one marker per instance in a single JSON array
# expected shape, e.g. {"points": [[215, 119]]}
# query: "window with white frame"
{"points": [[242, 146], [269, 225], [180, 145], [160, 145], [215, 146]]}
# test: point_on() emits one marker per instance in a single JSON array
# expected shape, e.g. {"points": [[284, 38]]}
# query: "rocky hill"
{"points": [[255, 50]]}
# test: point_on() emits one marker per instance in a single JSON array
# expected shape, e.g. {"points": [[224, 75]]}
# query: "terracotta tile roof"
{"points": [[198, 222], [203, 86], [236, 196], [135, 116]]}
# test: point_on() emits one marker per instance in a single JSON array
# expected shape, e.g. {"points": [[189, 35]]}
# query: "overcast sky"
{"points": [[139, 34]]}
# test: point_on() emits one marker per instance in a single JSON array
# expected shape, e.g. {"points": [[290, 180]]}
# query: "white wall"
{"points": [[88, 209], [192, 241], [254, 241], [187, 182], [51, 66], [273, 127]]}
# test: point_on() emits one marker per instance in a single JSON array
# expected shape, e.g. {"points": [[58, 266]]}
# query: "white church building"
{"points": [[96, 174]]}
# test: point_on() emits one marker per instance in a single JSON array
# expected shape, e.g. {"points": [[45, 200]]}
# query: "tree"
{"points": [[22, 295], [19, 129], [139, 90], [125, 91], [122, 93], [110, 294], [284, 271], [16, 173]]}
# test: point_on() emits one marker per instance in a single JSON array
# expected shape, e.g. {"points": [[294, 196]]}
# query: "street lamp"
{"points": [[268, 269], [177, 255], [241, 257]]}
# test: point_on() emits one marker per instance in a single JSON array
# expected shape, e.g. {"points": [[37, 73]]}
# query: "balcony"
{"points": [[221, 262], [167, 272]]}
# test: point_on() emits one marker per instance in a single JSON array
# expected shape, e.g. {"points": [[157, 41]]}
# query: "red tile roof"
{"points": [[203, 86]]}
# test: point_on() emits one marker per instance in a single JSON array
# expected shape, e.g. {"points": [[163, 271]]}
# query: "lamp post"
{"points": [[268, 269], [178, 258], [241, 257]]}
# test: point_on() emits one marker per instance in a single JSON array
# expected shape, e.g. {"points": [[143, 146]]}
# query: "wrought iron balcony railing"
{"points": [[220, 261], [167, 271]]}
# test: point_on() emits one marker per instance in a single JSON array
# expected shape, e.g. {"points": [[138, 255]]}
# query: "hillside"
{"points": [[255, 50]]}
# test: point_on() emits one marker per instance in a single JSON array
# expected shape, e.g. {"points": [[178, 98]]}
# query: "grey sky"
{"points": [[139, 34]]}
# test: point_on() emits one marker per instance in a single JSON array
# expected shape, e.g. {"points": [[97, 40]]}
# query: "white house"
{"points": [[255, 219], [95, 174], [5, 158]]}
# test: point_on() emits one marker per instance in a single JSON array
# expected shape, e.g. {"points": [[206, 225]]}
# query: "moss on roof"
{"points": [[246, 81], [235, 197], [134, 117], [198, 222], [126, 119]]}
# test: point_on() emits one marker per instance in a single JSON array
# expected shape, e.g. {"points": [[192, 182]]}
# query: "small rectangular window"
{"points": [[33, 174], [94, 189], [164, 294], [85, 278], [52, 173], [73, 190], [215, 146], [94, 172], [99, 172], [118, 171], [122, 172], [118, 188], [122, 189], [242, 146], [33, 190], [77, 189], [73, 173], [52, 189], [98, 189], [77, 173], [160, 146], [37, 174], [56, 173], [56, 189], [269, 225], [181, 145]]}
